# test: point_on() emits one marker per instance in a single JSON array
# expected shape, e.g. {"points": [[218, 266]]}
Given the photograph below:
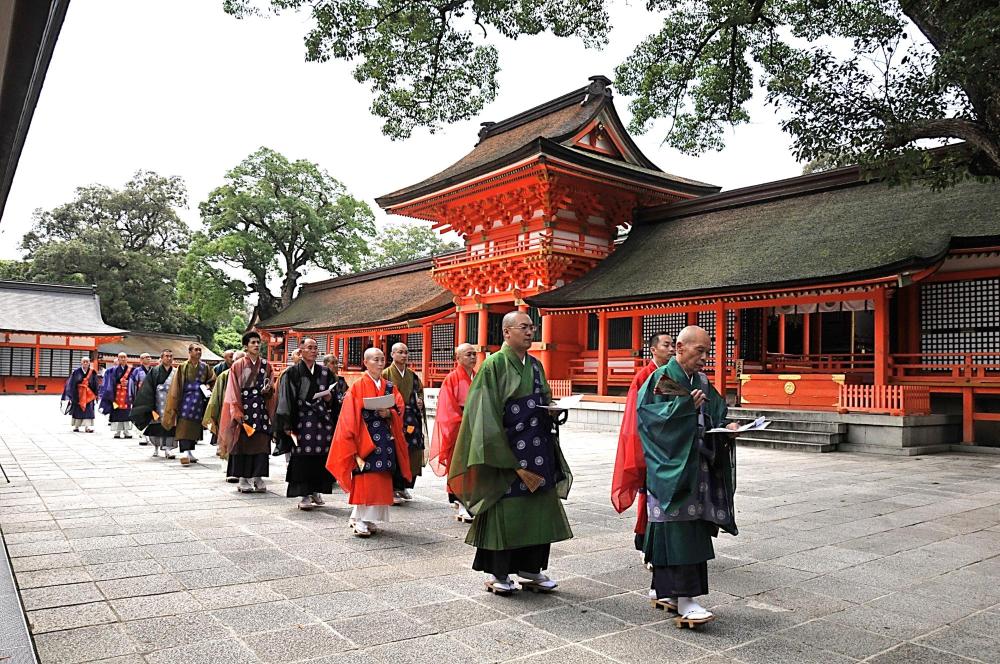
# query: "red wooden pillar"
{"points": [[692, 318], [602, 353], [968, 416], [482, 334], [425, 353], [720, 348], [547, 345], [463, 328], [881, 298], [38, 360], [637, 341]]}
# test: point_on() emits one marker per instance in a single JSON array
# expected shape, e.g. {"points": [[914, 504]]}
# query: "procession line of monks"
{"points": [[495, 438]]}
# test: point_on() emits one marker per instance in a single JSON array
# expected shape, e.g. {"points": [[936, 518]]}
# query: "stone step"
{"points": [[785, 414], [796, 436], [798, 425], [773, 444], [893, 451]]}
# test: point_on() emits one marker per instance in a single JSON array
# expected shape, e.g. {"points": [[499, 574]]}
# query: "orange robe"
{"points": [[630, 462], [352, 438], [448, 419]]}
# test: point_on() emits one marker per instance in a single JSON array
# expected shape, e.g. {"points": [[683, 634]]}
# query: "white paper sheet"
{"points": [[756, 425], [566, 403]]}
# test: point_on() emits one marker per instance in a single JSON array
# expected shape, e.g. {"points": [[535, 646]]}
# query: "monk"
{"points": [[246, 422], [369, 446], [414, 425], [448, 418], [309, 402], [213, 411], [629, 478], [79, 395], [117, 395], [507, 467], [151, 402], [186, 400], [690, 475]]}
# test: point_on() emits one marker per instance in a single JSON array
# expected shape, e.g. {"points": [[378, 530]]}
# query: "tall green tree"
{"points": [[274, 218], [399, 243], [129, 242], [867, 81]]}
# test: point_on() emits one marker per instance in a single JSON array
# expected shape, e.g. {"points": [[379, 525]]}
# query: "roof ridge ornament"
{"points": [[600, 86], [485, 128]]}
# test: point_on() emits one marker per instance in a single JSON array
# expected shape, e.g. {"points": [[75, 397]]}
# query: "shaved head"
{"points": [[374, 362], [399, 345], [465, 355], [463, 348], [693, 334], [372, 352], [693, 346]]}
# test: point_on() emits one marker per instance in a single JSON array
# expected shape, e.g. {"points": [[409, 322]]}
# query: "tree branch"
{"points": [[973, 133]]}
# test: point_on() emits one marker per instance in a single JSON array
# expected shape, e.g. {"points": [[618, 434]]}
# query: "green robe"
{"points": [[668, 427], [483, 465]]}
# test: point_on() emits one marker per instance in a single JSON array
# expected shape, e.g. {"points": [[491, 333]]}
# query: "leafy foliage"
{"points": [[128, 242], [428, 62], [399, 243], [866, 81], [273, 219], [230, 335], [14, 270]]}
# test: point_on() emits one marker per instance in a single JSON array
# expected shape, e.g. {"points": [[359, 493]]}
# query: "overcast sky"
{"points": [[179, 87]]}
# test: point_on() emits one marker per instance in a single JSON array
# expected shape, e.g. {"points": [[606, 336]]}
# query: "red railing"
{"points": [[887, 399], [819, 363], [619, 370], [951, 367], [504, 249]]}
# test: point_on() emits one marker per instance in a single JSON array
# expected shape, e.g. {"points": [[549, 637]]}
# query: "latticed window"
{"points": [[536, 320], [619, 333], [472, 328], [290, 347], [355, 352], [443, 343], [321, 344], [593, 331], [55, 362], [17, 361], [751, 338], [390, 341], [494, 329], [415, 344], [671, 324], [960, 317]]}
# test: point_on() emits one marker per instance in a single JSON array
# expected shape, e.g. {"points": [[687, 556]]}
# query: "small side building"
{"points": [[45, 330]]}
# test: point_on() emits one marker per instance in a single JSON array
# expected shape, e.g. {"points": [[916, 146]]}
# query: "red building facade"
{"points": [[821, 292]]}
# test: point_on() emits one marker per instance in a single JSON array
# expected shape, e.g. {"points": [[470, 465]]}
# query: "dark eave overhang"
{"points": [[760, 193], [547, 147], [305, 326], [26, 52], [889, 270]]}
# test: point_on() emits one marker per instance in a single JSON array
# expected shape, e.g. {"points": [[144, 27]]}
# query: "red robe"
{"points": [[448, 419], [352, 438], [630, 462]]}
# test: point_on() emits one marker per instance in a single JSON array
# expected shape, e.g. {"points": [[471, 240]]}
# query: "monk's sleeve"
{"points": [[482, 464], [144, 404], [173, 403], [108, 392], [340, 461], [231, 414], [447, 419], [667, 427], [396, 423], [564, 480]]}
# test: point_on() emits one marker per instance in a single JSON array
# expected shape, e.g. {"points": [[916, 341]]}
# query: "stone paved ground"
{"points": [[127, 559]]}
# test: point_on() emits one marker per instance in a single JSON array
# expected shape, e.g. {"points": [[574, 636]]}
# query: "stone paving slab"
{"points": [[125, 559]]}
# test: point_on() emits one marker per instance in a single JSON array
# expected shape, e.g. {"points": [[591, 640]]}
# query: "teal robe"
{"points": [[668, 427], [483, 465]]}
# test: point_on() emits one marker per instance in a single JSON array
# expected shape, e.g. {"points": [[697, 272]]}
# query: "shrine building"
{"points": [[826, 293], [45, 331]]}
